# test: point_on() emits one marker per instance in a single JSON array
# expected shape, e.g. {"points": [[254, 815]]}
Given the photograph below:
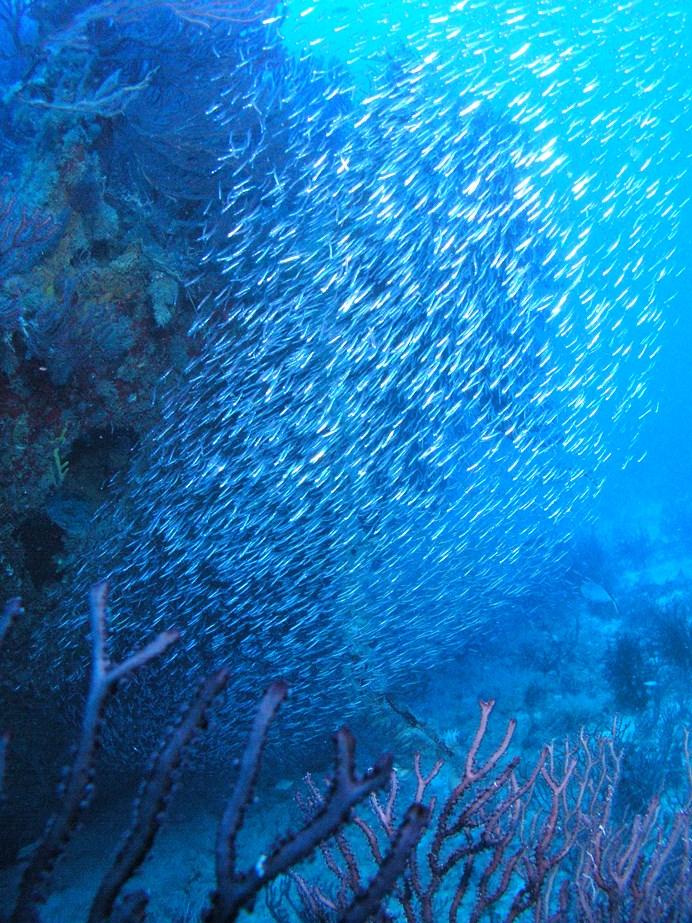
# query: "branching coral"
{"points": [[548, 842], [236, 889]]}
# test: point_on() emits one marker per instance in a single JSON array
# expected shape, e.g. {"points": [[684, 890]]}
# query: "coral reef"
{"points": [[94, 306], [502, 844], [491, 840]]}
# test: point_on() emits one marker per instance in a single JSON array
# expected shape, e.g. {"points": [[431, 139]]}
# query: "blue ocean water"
{"points": [[352, 341], [345, 30]]}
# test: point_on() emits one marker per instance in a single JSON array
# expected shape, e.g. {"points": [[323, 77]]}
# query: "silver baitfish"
{"points": [[436, 311]]}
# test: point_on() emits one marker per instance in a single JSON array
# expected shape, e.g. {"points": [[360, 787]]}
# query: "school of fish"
{"points": [[438, 300]]}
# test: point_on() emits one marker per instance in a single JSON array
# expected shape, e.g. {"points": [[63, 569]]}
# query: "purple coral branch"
{"points": [[78, 787], [367, 904], [154, 797], [237, 890], [233, 816]]}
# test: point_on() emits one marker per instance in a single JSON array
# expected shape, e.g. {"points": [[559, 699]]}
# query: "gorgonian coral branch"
{"points": [[78, 786]]}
